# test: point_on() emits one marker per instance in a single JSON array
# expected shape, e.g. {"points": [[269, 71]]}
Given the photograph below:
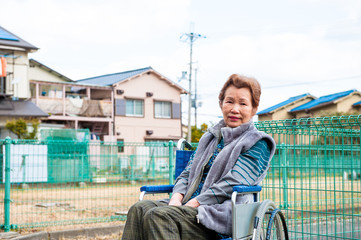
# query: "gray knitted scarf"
{"points": [[237, 140]]}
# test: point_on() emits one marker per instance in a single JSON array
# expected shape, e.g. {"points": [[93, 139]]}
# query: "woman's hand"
{"points": [[176, 199], [193, 203]]}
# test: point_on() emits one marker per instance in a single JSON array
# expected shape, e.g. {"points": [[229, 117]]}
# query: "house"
{"points": [[281, 110], [15, 50], [147, 105], [71, 104], [14, 86], [337, 102], [306, 106], [134, 106]]}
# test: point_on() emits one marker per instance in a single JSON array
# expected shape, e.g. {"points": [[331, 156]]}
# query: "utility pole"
{"points": [[195, 97], [191, 37]]}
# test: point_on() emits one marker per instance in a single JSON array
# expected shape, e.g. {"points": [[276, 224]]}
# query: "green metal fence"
{"points": [[314, 178], [59, 182]]}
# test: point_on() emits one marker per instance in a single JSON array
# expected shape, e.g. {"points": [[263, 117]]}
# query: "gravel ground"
{"points": [[109, 237]]}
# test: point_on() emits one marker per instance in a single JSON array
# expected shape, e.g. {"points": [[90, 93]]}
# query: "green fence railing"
{"points": [[314, 178], [61, 182], [315, 175]]}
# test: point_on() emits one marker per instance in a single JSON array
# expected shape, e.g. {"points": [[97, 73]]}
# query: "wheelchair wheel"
{"points": [[271, 222]]}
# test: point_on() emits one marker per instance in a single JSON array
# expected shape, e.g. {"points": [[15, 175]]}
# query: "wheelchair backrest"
{"points": [[182, 159]]}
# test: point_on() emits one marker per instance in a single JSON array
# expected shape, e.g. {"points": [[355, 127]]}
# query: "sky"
{"points": [[291, 47]]}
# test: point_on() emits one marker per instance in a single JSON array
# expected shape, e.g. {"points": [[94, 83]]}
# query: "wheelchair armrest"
{"points": [[153, 189], [244, 189], [247, 189]]}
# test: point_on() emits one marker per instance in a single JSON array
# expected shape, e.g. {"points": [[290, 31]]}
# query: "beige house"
{"points": [[282, 110], [147, 105], [342, 102], [307, 106]]}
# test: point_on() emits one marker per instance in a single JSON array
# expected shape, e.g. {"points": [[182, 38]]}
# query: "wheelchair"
{"points": [[256, 221]]}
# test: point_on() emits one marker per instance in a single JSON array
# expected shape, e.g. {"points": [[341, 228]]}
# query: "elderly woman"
{"points": [[231, 153]]}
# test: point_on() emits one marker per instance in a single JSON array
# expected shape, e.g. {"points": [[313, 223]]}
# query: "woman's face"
{"points": [[237, 106]]}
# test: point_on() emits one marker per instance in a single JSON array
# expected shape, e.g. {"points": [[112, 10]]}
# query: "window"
{"points": [[134, 108], [162, 109]]}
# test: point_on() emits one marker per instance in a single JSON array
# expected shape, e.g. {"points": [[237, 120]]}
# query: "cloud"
{"points": [[279, 43]]}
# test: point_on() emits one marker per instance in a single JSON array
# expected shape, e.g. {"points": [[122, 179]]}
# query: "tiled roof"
{"points": [[111, 79], [20, 109], [356, 103], [322, 101], [284, 103], [9, 39]]}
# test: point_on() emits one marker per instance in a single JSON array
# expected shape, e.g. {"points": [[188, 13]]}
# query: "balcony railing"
{"points": [[75, 107]]}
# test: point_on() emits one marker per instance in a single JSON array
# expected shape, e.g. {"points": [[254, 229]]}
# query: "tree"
{"points": [[198, 132], [20, 128]]}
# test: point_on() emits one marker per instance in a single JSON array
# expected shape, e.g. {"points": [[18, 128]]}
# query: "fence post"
{"points": [[171, 164], [284, 176], [23, 165], [132, 168], [7, 186], [153, 166], [82, 167]]}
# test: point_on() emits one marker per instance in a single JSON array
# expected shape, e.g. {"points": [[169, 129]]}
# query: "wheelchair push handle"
{"points": [[182, 144]]}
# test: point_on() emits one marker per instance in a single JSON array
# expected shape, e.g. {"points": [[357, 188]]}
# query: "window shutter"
{"points": [[176, 110], [120, 107]]}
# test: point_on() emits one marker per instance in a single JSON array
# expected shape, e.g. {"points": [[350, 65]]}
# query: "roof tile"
{"points": [[21, 109], [356, 103], [9, 39], [111, 79], [284, 103], [322, 100]]}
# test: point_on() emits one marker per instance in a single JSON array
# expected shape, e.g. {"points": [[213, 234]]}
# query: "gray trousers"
{"points": [[148, 220]]}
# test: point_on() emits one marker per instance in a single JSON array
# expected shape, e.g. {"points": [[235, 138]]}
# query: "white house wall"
{"points": [[17, 66]]}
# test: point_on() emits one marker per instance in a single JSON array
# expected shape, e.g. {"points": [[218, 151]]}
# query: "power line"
{"points": [[212, 94], [311, 82], [261, 29]]}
